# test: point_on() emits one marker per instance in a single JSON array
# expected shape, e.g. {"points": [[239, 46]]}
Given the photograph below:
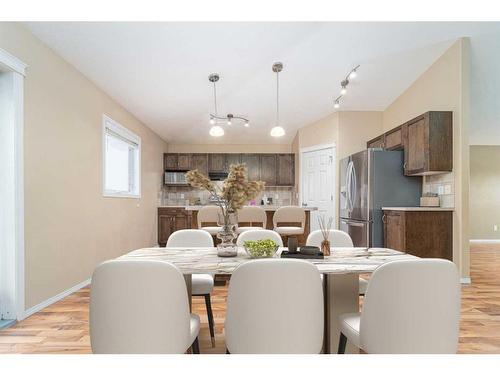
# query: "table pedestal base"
{"points": [[341, 293]]}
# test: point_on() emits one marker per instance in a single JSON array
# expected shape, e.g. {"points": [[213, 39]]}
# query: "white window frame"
{"points": [[109, 123]]}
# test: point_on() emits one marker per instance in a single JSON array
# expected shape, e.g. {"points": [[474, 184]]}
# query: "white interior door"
{"points": [[318, 185]]}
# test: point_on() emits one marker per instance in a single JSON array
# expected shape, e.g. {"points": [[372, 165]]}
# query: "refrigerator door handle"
{"points": [[354, 182], [348, 186], [353, 223]]}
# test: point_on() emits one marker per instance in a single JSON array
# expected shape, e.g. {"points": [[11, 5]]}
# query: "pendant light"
{"points": [[277, 130], [216, 130]]}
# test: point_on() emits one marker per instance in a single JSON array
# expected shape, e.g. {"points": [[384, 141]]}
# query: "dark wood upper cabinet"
{"points": [[268, 169], [376, 142], [252, 162], [184, 161], [395, 138], [200, 162], [216, 162], [427, 141], [170, 161], [274, 169], [285, 170], [429, 145], [232, 159]]}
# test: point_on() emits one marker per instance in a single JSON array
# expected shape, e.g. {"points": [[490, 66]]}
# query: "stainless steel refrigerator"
{"points": [[370, 180]]}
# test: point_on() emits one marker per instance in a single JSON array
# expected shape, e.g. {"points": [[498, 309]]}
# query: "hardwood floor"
{"points": [[63, 327]]}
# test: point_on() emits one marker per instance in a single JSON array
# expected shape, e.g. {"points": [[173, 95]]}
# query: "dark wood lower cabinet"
{"points": [[171, 219], [426, 234]]}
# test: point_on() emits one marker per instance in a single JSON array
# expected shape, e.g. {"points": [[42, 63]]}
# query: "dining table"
{"points": [[340, 270]]}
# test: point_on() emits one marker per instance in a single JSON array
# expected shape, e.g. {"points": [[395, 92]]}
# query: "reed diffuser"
{"points": [[325, 226]]}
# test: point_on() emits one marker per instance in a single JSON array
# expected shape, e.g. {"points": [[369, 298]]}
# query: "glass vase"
{"points": [[228, 222]]}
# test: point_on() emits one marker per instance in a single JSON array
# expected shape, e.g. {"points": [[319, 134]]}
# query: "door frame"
{"points": [[13, 256], [319, 147]]}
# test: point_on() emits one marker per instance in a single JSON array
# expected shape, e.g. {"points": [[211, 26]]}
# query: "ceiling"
{"points": [[159, 71]]}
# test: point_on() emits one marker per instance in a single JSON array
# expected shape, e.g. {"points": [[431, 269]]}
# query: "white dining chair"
{"points": [[337, 238], [202, 284], [251, 215], [141, 307], [275, 306], [410, 307], [259, 234], [209, 214], [289, 214]]}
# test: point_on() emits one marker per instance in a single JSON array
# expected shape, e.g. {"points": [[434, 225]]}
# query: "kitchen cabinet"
{"points": [[170, 161], [184, 161], [429, 145], [285, 170], [268, 169], [395, 138], [274, 169], [252, 162], [216, 162], [376, 142], [426, 234], [200, 162], [427, 141], [171, 219], [232, 159]]}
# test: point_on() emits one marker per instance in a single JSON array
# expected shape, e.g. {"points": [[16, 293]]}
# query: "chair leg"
{"points": [[342, 344], [195, 347], [210, 318]]}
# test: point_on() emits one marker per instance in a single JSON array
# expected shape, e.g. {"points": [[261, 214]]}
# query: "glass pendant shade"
{"points": [[216, 131], [277, 131]]}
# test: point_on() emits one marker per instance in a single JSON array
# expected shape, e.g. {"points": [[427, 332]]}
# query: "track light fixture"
{"points": [[343, 85]]}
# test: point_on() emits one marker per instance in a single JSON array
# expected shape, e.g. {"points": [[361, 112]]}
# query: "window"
{"points": [[121, 161]]}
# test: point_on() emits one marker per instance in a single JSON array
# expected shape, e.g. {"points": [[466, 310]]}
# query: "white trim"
{"points": [[465, 280], [484, 241], [11, 63], [317, 147], [54, 299], [109, 123]]}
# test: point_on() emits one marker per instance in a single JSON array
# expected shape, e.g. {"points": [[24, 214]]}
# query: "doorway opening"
{"points": [[317, 181], [11, 189]]}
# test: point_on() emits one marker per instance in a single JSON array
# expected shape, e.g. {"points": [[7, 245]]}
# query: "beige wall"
{"points": [[69, 226], [484, 192], [444, 87], [232, 148]]}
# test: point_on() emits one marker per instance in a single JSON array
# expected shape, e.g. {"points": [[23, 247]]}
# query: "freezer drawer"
{"points": [[358, 230]]}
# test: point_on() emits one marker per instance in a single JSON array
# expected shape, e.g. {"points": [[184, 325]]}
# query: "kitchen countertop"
{"points": [[418, 208], [266, 208]]}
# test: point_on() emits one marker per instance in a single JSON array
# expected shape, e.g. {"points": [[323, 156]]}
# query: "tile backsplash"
{"points": [[184, 195], [443, 185]]}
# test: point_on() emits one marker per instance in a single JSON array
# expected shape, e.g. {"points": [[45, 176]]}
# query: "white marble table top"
{"points": [[205, 260]]}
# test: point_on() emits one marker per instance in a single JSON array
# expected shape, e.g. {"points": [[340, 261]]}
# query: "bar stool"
{"points": [[289, 215], [209, 215], [250, 215]]}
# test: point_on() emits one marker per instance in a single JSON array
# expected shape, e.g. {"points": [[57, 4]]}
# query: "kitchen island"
{"points": [[173, 218]]}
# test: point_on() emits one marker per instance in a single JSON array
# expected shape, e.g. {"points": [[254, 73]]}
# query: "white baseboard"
{"points": [[465, 280], [52, 300], [484, 241]]}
